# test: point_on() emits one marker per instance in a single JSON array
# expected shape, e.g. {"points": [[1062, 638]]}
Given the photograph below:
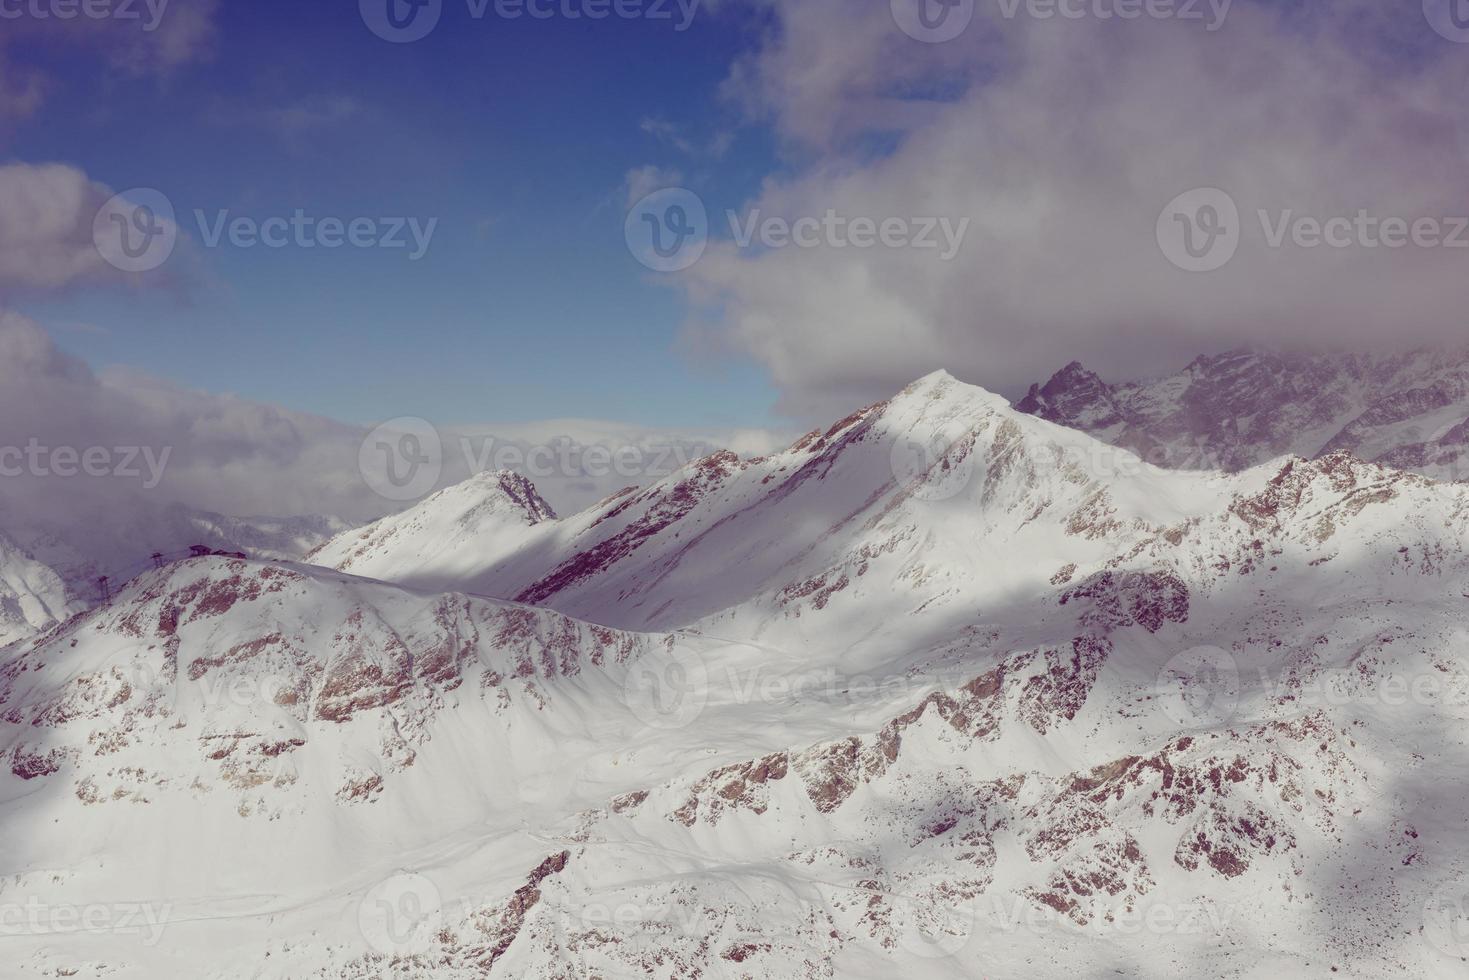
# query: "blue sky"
{"points": [[516, 135], [1056, 142], [1061, 147]]}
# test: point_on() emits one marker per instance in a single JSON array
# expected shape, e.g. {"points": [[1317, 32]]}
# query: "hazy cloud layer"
{"points": [[1062, 140], [96, 462], [234, 456], [222, 453]]}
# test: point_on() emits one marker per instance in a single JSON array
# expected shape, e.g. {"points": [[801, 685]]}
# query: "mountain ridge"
{"points": [[942, 688], [1239, 409]]}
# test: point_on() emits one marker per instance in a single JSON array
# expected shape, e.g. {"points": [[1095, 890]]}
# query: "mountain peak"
{"points": [[941, 384], [934, 378], [520, 491], [1075, 397], [491, 506]]}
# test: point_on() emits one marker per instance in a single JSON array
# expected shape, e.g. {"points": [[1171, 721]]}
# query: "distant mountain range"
{"points": [[1241, 409], [1228, 412], [51, 569]]}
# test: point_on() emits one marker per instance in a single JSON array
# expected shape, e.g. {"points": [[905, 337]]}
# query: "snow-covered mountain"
{"points": [[283, 733], [32, 596], [1238, 410], [263, 537], [772, 536], [52, 569], [443, 537], [932, 692]]}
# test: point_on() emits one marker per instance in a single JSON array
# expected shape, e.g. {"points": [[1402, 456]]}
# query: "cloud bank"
{"points": [[233, 456], [1063, 140], [90, 455], [46, 237]]}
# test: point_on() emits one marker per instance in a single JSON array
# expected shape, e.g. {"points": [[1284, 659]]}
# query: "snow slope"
{"points": [[945, 690], [441, 538]]}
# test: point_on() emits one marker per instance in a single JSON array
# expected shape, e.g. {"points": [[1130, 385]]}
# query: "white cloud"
{"points": [[218, 452], [46, 237], [1062, 140], [224, 453], [233, 456]]}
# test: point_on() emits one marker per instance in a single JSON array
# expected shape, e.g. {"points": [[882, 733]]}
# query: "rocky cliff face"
{"points": [[1240, 409]]}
